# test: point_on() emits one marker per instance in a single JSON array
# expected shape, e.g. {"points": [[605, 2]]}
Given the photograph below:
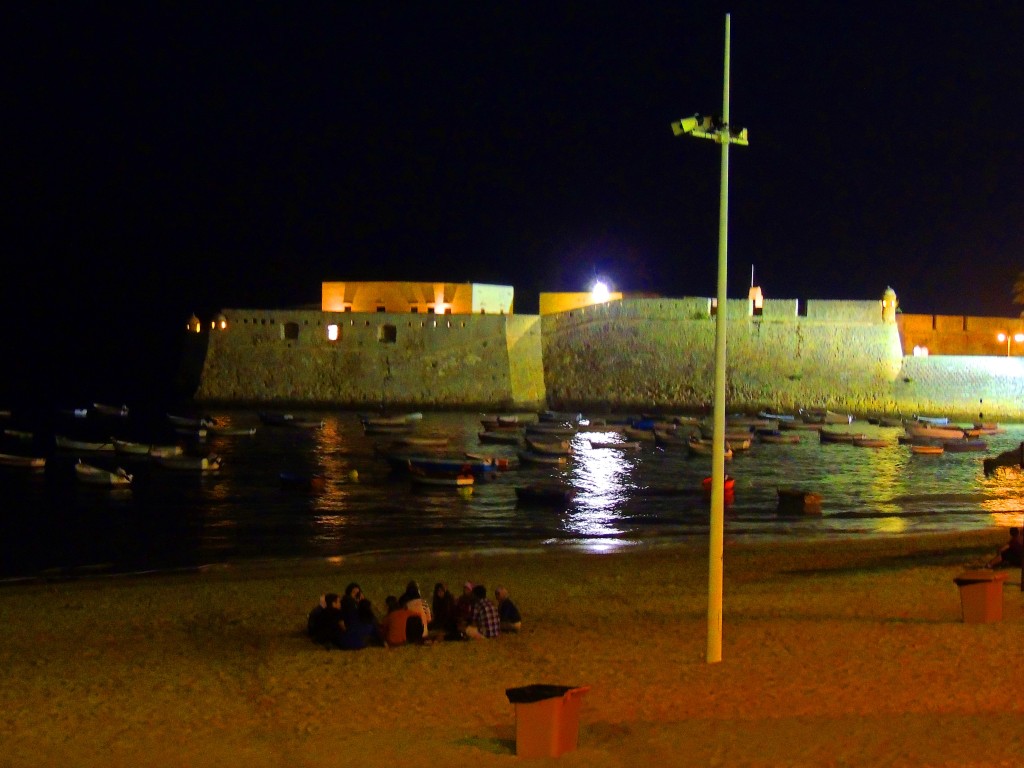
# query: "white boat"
{"points": [[29, 462], [19, 434], [211, 463], [423, 441], [505, 438], [91, 475], [67, 444]]}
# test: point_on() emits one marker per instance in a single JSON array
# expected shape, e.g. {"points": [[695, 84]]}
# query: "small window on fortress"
{"points": [[333, 332], [757, 311], [289, 331], [414, 309], [387, 334], [714, 307], [447, 310], [381, 309], [801, 307], [348, 308]]}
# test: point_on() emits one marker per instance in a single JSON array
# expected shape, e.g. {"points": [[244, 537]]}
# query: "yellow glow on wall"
{"points": [[332, 332], [551, 303], [439, 308]]}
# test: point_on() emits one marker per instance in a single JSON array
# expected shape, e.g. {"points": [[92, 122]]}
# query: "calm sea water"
{"points": [[54, 526]]}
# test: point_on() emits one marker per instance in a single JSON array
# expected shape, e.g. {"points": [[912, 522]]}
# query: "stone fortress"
{"points": [[460, 345]]}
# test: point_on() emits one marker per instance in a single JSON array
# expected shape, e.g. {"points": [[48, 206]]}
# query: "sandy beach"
{"points": [[835, 653]]}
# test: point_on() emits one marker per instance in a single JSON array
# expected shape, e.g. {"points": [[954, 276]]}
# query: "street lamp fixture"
{"points": [[717, 129], [1018, 337]]}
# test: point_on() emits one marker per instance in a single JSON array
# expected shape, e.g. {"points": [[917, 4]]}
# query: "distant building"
{"points": [[430, 298]]}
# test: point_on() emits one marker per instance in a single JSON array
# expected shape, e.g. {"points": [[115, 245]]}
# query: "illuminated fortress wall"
{"points": [[424, 360], [632, 355]]}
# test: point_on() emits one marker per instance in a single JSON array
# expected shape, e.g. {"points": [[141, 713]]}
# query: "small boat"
{"points": [[288, 420], [504, 438], [21, 435], [964, 445], [563, 416], [193, 422], [530, 457], [935, 421], [548, 447], [193, 433], [423, 441], [111, 410], [919, 429], [499, 462], [458, 465], [302, 482], [871, 442], [500, 423], [421, 476], [795, 425], [927, 450], [700, 447], [819, 416], [624, 445], [890, 422], [777, 436], [230, 431], [211, 463], [635, 433], [776, 416], [988, 428], [91, 475], [67, 444], [28, 462], [664, 438], [830, 436], [129, 448], [545, 494], [387, 429], [552, 428]]}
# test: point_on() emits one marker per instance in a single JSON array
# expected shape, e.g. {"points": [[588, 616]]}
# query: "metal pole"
{"points": [[717, 517]]}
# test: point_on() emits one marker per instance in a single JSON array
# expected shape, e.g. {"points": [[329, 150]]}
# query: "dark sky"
{"points": [[161, 159]]}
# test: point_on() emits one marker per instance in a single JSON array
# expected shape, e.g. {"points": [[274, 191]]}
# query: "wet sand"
{"points": [[835, 653]]}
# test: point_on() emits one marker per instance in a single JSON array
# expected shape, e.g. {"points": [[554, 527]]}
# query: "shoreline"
{"points": [[851, 655]]}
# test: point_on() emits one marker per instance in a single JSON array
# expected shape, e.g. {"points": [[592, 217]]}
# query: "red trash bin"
{"points": [[547, 718], [981, 596]]}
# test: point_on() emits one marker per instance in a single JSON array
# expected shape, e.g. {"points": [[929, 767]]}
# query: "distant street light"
{"points": [[717, 129], [1018, 337], [599, 292]]}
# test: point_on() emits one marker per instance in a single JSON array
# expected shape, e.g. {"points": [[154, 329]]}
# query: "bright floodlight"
{"points": [[600, 292]]}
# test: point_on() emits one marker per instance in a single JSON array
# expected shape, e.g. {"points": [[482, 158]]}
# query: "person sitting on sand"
{"points": [[361, 628], [464, 606], [326, 626], [413, 600], [511, 621], [350, 601], [1011, 554], [395, 628], [444, 618], [485, 624]]}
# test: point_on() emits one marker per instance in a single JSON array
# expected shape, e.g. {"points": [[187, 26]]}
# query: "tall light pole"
{"points": [[720, 131]]}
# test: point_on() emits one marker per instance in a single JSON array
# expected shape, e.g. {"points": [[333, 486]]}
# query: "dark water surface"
{"points": [[53, 525]]}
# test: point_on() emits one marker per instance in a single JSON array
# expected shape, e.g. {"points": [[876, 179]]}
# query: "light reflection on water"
{"points": [[622, 497]]}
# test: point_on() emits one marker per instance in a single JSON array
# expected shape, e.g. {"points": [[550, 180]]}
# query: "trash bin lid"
{"points": [[979, 576], [529, 694]]}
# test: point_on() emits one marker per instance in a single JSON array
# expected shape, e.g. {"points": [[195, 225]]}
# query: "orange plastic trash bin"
{"points": [[547, 718], [981, 596]]}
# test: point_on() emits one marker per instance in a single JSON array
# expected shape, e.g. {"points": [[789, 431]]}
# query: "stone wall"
{"points": [[637, 354], [420, 360], [655, 353]]}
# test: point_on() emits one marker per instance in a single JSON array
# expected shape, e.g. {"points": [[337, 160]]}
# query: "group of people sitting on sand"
{"points": [[349, 621]]}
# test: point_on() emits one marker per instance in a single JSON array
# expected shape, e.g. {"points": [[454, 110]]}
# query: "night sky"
{"points": [[165, 159]]}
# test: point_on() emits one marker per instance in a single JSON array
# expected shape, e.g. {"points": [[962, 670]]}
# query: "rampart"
{"points": [[635, 354]]}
